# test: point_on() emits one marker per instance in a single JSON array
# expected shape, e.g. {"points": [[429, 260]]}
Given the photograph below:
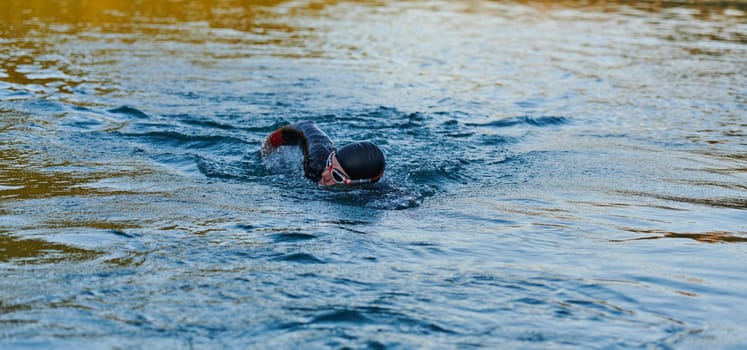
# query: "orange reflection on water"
{"points": [[703, 237], [23, 176], [39, 251], [101, 11], [232, 13]]}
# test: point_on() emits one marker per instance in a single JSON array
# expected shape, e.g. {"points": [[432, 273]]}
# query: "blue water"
{"points": [[558, 175]]}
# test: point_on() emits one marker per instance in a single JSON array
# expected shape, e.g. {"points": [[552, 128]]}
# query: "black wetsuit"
{"points": [[314, 143]]}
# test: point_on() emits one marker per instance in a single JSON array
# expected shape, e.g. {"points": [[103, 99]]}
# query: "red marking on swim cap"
{"points": [[276, 139]]}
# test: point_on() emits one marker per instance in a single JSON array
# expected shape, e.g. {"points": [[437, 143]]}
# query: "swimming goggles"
{"points": [[341, 178]]}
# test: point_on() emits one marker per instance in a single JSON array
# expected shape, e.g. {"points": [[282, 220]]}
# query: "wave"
{"points": [[524, 120], [185, 141], [129, 111]]}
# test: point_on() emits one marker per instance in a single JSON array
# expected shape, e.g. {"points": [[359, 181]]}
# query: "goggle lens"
{"points": [[338, 177]]}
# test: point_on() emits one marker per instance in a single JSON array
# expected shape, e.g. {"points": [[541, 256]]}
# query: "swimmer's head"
{"points": [[356, 163]]}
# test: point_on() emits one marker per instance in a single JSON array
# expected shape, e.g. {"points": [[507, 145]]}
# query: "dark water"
{"points": [[560, 175]]}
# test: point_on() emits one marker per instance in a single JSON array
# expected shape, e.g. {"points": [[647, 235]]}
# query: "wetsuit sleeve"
{"points": [[314, 144], [285, 136]]}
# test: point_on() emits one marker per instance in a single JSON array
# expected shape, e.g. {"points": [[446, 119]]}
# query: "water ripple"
{"points": [[301, 258], [524, 120], [560, 174], [129, 111]]}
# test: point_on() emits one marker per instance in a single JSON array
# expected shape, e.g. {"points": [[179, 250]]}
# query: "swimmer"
{"points": [[353, 164]]}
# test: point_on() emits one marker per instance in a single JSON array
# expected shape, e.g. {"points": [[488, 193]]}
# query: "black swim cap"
{"points": [[361, 160]]}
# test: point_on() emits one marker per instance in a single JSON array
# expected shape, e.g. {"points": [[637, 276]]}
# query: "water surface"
{"points": [[560, 174]]}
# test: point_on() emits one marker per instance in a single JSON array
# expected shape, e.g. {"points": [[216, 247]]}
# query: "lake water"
{"points": [[560, 174]]}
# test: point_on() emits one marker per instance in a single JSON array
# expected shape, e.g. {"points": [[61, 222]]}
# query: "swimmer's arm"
{"points": [[285, 136]]}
